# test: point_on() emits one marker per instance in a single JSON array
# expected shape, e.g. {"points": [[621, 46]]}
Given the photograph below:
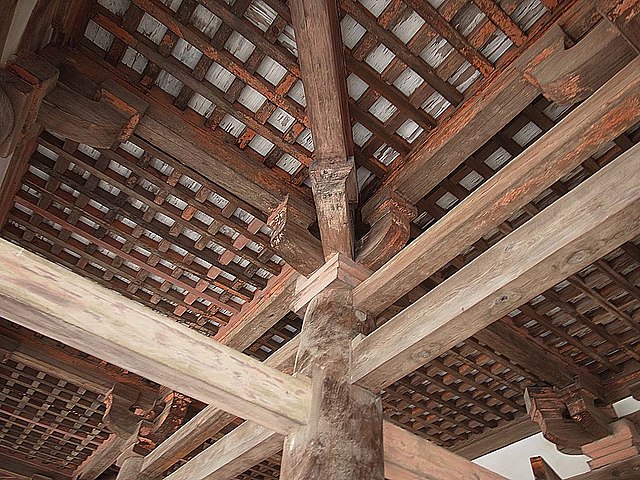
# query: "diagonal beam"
{"points": [[332, 171], [561, 240], [73, 310], [406, 457], [606, 114]]}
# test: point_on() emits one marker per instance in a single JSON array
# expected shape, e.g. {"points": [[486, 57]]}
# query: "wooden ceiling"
{"points": [[152, 220]]}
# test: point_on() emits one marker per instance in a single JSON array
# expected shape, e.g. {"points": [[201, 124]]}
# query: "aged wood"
{"points": [[206, 424], [602, 117], [542, 470], [332, 171], [102, 458], [37, 295], [559, 241], [287, 238], [406, 452], [567, 417], [577, 72], [624, 470], [482, 117], [233, 454], [390, 221], [14, 465], [622, 444], [130, 463], [343, 439]]}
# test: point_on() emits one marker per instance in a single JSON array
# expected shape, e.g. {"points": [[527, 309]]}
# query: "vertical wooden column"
{"points": [[343, 439]]}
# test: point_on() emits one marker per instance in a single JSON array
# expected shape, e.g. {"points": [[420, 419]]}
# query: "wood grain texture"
{"points": [[558, 242], [609, 112], [343, 439], [39, 295], [332, 170]]}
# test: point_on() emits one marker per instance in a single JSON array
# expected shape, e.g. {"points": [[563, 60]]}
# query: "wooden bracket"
{"points": [[339, 270], [293, 242], [622, 444], [119, 416], [569, 75], [569, 417], [390, 218]]}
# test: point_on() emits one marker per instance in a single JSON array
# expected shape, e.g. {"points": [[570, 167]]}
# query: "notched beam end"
{"points": [[293, 241], [390, 218]]}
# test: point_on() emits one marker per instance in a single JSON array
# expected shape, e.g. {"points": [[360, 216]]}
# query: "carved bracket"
{"points": [[293, 241], [569, 417], [390, 219], [622, 444]]}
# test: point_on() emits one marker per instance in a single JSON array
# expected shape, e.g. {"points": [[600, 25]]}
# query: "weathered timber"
{"points": [[408, 456], [332, 170], [130, 463], [575, 73], [610, 111], [622, 444], [287, 237], [624, 470], [542, 470], [206, 423], [558, 242], [16, 466], [487, 113], [568, 417], [233, 454], [100, 123], [39, 295], [390, 220], [343, 439], [102, 458], [175, 134]]}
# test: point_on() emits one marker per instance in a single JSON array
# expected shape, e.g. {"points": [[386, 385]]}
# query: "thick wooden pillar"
{"points": [[343, 439], [130, 463]]}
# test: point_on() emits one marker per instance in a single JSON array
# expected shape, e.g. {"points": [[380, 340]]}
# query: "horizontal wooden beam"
{"points": [[599, 119], [561, 240], [73, 310], [206, 423], [406, 455]]}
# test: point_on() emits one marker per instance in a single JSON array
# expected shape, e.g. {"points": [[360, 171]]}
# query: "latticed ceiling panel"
{"points": [[144, 225], [47, 420], [409, 65]]}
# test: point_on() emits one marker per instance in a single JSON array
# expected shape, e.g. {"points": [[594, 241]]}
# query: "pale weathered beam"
{"points": [[561, 240], [406, 456], [62, 305], [332, 170], [606, 114], [206, 423]]}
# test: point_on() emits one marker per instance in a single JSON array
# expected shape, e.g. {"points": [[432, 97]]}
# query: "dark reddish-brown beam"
{"points": [[180, 135], [18, 467], [503, 21], [321, 56]]}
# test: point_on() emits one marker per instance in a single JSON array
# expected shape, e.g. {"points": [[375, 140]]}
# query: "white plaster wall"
{"points": [[513, 461]]}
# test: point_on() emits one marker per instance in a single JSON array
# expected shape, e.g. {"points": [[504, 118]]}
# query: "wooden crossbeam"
{"points": [[601, 118], [406, 456], [59, 304], [556, 243]]}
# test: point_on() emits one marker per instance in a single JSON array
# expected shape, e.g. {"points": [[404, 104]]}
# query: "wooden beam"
{"points": [[406, 457], [15, 465], [542, 470], [59, 304], [233, 454], [601, 118], [558, 242], [493, 107], [205, 424], [332, 171], [625, 470]]}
